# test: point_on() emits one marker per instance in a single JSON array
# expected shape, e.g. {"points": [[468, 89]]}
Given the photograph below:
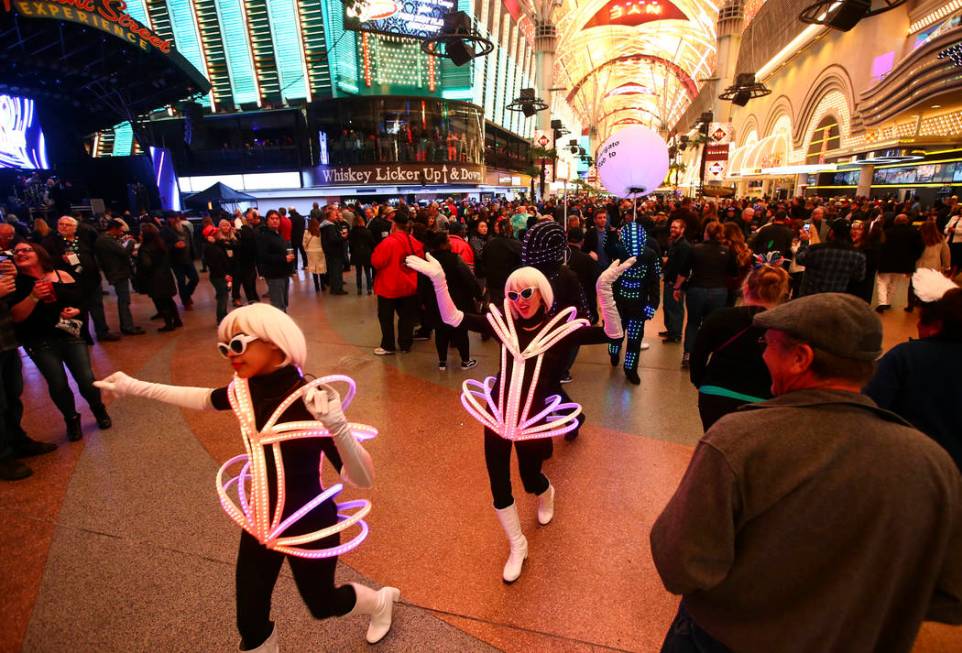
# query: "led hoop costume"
{"points": [[252, 510], [511, 420]]}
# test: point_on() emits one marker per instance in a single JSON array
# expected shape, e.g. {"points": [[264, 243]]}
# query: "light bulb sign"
{"points": [[108, 16], [22, 143], [420, 19]]}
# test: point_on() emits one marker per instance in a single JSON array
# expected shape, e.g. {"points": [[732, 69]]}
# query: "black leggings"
{"points": [[445, 336], [497, 457], [257, 570], [245, 279]]}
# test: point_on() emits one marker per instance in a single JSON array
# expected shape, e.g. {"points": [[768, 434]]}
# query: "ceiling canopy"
{"points": [[633, 61]]}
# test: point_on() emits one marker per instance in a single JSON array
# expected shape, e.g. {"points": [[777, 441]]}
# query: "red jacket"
{"points": [[461, 247], [285, 228], [393, 278]]}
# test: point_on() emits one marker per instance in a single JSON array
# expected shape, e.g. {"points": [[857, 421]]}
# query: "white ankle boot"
{"points": [[519, 545], [269, 645], [546, 506], [379, 605]]}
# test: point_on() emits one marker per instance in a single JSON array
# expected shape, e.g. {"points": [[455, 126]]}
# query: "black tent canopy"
{"points": [[218, 194]]}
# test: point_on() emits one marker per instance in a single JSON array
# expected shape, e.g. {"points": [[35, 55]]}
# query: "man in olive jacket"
{"points": [[113, 254], [814, 522]]}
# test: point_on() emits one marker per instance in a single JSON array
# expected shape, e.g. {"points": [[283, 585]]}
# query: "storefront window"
{"points": [[369, 130]]}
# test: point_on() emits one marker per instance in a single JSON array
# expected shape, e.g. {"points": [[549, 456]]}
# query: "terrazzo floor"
{"points": [[118, 543]]}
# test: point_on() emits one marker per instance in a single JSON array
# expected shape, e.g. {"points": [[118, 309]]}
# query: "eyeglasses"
{"points": [[237, 345], [22, 250], [515, 295]]}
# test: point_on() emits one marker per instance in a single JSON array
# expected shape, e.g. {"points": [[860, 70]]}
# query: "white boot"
{"points": [[379, 605], [519, 545], [269, 645], [546, 506]]}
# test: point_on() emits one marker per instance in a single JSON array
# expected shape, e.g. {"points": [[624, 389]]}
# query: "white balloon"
{"points": [[633, 162]]}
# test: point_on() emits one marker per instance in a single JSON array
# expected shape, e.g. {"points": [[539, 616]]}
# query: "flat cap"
{"points": [[837, 323]]}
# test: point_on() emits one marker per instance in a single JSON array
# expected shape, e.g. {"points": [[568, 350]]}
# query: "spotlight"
{"points": [[457, 40], [527, 103], [844, 14], [744, 89]]}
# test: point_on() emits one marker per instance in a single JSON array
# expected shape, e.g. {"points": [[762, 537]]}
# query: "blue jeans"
{"points": [[221, 293], [277, 291], [187, 280], [50, 356], [366, 269], [674, 311], [122, 288], [335, 273], [701, 302]]}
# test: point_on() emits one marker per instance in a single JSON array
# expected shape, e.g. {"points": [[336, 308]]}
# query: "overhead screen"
{"points": [[22, 143], [415, 18]]}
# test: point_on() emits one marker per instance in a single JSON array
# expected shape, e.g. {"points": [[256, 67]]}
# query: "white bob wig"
{"points": [[529, 277], [270, 325]]}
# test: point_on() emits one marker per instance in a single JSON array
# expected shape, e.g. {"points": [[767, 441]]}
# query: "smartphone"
{"points": [[807, 227]]}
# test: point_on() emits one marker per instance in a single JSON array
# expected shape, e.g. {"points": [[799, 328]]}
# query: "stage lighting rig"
{"points": [[457, 40], [744, 89], [527, 103], [845, 14]]}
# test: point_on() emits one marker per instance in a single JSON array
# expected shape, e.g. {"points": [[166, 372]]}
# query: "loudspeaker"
{"points": [[457, 22], [848, 14], [556, 124], [528, 110], [741, 98], [457, 51]]}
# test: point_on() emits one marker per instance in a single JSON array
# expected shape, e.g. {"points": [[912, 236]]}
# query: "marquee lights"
{"points": [[252, 509]]}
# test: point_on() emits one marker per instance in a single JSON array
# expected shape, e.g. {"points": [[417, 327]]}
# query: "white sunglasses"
{"points": [[237, 345]]}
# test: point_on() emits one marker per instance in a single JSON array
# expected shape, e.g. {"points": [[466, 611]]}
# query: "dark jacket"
{"points": [[271, 254], [462, 286], [587, 272], [298, 227], [728, 355], [678, 260], [154, 276], [809, 506], [245, 253], [772, 238], [217, 260], [380, 229], [114, 258], [88, 273], [900, 250], [362, 244], [331, 241], [501, 256], [711, 265], [178, 255], [918, 381]]}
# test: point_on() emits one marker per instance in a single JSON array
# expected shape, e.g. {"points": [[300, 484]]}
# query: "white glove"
{"points": [[120, 384], [429, 267], [432, 269], [606, 297], [357, 468]]}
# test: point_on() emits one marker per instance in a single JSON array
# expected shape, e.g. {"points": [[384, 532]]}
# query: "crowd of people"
{"points": [[774, 305]]}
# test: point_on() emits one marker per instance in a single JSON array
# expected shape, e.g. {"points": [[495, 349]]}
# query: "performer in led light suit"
{"points": [[289, 426], [523, 406], [636, 293]]}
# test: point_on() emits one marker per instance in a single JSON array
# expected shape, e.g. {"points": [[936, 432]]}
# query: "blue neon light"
{"points": [[22, 143]]}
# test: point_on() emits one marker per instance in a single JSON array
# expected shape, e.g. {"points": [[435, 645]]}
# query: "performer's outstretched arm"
{"points": [[357, 468], [606, 298], [430, 268], [121, 384]]}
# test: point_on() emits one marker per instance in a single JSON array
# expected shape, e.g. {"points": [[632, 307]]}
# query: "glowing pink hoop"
{"points": [[512, 420], [251, 510]]}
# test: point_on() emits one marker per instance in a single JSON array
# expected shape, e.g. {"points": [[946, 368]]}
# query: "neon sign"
{"points": [[630, 13], [106, 15], [416, 18], [22, 143]]}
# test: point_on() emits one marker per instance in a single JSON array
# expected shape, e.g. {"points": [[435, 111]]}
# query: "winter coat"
{"points": [[902, 248], [394, 279], [362, 245], [272, 254], [154, 275], [316, 262]]}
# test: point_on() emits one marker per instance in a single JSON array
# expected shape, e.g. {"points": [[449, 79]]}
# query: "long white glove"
{"points": [[120, 384], [357, 468], [606, 297], [430, 268]]}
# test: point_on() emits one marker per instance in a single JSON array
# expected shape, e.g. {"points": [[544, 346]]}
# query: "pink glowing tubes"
{"points": [[252, 510], [510, 416]]}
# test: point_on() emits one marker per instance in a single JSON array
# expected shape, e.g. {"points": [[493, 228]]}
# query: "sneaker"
{"points": [[108, 337], [442, 365], [881, 308], [468, 364], [663, 334], [381, 351], [421, 337], [566, 378], [645, 345], [684, 361]]}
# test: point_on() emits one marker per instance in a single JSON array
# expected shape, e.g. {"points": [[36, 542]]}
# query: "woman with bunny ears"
{"points": [[523, 405], [288, 425]]}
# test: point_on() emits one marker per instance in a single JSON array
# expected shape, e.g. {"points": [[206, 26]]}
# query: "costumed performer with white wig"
{"points": [[289, 426], [523, 405]]}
